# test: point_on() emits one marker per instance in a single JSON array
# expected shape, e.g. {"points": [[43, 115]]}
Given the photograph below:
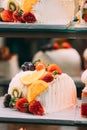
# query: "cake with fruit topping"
{"points": [[82, 14], [62, 54], [39, 11], [8, 63], [40, 89], [84, 95]]}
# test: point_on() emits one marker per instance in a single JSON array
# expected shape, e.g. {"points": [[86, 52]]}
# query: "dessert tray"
{"points": [[69, 116]]}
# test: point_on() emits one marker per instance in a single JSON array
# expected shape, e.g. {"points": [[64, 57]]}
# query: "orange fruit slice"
{"points": [[28, 4], [35, 89], [29, 78]]}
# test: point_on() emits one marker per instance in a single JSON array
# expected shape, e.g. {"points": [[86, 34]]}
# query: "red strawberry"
{"points": [[56, 46], [7, 16], [28, 17], [66, 45], [85, 17], [36, 108], [47, 77], [22, 104], [54, 68], [17, 16]]}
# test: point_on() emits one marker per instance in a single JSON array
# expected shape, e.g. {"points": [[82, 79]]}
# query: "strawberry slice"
{"points": [[47, 77], [22, 105], [28, 17], [36, 108]]}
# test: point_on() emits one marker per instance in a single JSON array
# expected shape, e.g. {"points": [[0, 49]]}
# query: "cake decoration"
{"points": [[40, 91]]}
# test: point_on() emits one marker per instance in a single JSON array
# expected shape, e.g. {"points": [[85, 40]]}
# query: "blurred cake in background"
{"points": [[82, 13], [8, 63], [62, 54], [85, 58]]}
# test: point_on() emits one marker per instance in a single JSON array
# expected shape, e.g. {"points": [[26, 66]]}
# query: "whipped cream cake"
{"points": [[44, 88]]}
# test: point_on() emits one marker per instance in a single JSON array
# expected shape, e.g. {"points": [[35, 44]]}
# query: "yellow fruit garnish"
{"points": [[35, 89], [28, 4], [29, 78]]}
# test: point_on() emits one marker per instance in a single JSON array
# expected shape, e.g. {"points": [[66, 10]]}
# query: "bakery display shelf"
{"points": [[70, 116], [41, 31]]}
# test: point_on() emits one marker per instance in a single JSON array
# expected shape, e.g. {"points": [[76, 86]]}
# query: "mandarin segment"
{"points": [[28, 4], [35, 89], [30, 78]]}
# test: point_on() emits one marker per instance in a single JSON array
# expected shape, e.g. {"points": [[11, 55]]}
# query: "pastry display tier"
{"points": [[41, 31], [69, 117]]}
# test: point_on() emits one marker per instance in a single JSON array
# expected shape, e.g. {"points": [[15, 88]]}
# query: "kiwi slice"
{"points": [[16, 92], [13, 5]]}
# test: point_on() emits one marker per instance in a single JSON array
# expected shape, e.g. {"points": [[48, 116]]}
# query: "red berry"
{"points": [[36, 108], [47, 77], [56, 46], [85, 17], [17, 16], [22, 104], [28, 17], [7, 16]]}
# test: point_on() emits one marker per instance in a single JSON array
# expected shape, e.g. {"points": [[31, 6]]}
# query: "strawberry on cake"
{"points": [[40, 89]]}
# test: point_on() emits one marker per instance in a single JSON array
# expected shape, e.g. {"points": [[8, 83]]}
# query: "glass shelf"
{"points": [[41, 31]]}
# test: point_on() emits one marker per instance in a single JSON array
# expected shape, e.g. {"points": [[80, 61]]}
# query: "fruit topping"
{"points": [[17, 16], [28, 17], [36, 108], [47, 77], [7, 99], [22, 105], [54, 67], [7, 16], [66, 45], [28, 4], [35, 89], [39, 65], [30, 78], [16, 92], [85, 17], [56, 46], [28, 66], [13, 5]]}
